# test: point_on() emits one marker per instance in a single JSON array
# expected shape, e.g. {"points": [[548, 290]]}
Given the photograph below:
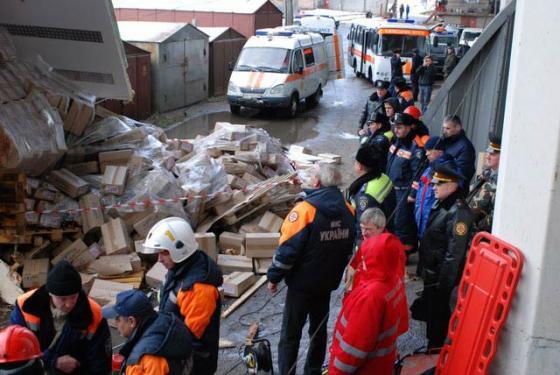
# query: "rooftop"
{"points": [[220, 6]]}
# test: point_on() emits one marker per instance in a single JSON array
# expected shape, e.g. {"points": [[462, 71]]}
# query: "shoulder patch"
{"points": [[363, 203], [293, 216], [461, 228], [418, 154]]}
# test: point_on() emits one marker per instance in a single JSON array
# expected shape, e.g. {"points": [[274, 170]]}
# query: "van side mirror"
{"points": [[230, 65]]}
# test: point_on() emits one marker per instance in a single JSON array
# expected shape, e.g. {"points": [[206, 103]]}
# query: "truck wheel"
{"points": [[291, 111], [356, 69], [235, 109], [314, 99]]}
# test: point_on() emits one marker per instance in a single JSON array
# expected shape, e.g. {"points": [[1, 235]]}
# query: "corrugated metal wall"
{"points": [[476, 89]]}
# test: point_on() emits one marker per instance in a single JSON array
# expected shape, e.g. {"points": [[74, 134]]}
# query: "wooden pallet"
{"points": [[13, 185]]}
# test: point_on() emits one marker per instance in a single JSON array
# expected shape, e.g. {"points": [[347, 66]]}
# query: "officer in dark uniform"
{"points": [[444, 247], [380, 135], [372, 188], [374, 104], [403, 162]]}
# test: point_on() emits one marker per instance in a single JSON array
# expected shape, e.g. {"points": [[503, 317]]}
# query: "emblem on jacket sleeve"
{"points": [[293, 216], [461, 228]]}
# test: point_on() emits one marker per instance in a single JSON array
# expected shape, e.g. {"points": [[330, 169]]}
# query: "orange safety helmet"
{"points": [[413, 111], [18, 344]]}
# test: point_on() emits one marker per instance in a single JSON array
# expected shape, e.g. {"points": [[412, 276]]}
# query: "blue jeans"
{"points": [[425, 96]]}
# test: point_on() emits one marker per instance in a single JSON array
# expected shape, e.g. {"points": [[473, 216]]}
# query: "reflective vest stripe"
{"points": [[344, 367], [280, 265], [388, 332], [33, 322], [393, 292], [382, 352], [349, 349], [379, 188], [343, 321]]}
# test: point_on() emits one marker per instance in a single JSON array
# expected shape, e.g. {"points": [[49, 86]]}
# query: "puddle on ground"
{"points": [[289, 131]]}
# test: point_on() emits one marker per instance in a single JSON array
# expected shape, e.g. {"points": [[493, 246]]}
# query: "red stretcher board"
{"points": [[484, 297]]}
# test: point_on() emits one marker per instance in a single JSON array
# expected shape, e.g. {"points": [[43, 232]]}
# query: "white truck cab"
{"points": [[278, 68], [469, 36]]}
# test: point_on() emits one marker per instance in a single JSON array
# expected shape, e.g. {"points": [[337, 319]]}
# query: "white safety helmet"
{"points": [[173, 234]]}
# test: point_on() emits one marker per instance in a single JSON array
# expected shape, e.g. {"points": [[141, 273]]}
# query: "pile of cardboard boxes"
{"points": [[87, 186]]}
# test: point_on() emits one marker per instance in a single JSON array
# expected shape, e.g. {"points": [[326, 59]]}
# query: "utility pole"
{"points": [[288, 12]]}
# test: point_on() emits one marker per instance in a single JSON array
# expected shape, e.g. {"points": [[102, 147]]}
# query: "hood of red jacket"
{"points": [[384, 257]]}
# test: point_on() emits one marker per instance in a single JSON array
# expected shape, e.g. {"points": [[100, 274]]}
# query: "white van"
{"points": [[469, 36], [278, 68]]}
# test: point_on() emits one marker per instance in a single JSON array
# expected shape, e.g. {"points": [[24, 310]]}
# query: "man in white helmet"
{"points": [[190, 290]]}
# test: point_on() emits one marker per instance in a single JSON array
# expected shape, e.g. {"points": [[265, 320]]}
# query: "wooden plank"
{"points": [[241, 300]]}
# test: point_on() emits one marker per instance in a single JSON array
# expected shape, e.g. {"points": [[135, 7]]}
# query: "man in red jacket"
{"points": [[374, 314]]}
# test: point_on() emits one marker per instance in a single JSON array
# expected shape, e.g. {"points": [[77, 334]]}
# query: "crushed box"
{"points": [[115, 237], [236, 283]]}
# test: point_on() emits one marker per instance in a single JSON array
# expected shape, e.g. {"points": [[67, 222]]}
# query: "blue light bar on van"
{"points": [[265, 32], [394, 20]]}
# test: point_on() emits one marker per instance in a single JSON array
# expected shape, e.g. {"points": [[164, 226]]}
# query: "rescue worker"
{"points": [[73, 335], [444, 247], [403, 163], [391, 107], [372, 223], [157, 343], [421, 131], [416, 63], [190, 290], [374, 104], [374, 314], [483, 195], [316, 243], [380, 136], [451, 61], [396, 69], [372, 188], [403, 93], [20, 352], [460, 148]]}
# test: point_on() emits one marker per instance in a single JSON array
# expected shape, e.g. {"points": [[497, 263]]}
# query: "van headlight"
{"points": [[233, 89], [278, 89]]}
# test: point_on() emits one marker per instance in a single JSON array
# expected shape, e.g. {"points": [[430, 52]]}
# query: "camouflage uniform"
{"points": [[482, 203]]}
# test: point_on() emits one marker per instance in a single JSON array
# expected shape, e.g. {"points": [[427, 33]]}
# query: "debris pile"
{"points": [[82, 184]]}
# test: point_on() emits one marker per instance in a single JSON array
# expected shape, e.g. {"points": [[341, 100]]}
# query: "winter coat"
{"points": [[445, 242], [85, 335], [373, 104], [159, 346], [190, 292], [396, 67], [425, 199], [426, 75], [460, 148], [450, 63], [374, 314], [316, 243]]}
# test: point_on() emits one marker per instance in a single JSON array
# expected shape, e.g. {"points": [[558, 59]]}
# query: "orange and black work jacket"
{"points": [[316, 243], [374, 314], [190, 292], [85, 335], [159, 346]]}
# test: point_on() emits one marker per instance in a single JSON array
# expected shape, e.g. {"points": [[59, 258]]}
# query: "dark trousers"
{"points": [[425, 97], [439, 315], [405, 224], [300, 305], [414, 87]]}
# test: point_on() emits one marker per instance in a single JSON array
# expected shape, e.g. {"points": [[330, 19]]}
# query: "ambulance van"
{"points": [[277, 68]]}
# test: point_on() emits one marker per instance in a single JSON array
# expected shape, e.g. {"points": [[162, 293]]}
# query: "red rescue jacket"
{"points": [[374, 314]]}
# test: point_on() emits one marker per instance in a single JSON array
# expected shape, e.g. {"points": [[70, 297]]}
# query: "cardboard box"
{"points": [[262, 265], [230, 240], [156, 275], [87, 281], [35, 272], [250, 228], [143, 226], [133, 217], [76, 253], [111, 265], [135, 262], [250, 179], [236, 182], [236, 283], [81, 169], [115, 237], [232, 263], [90, 218], [331, 158], [95, 250], [295, 149], [45, 195], [261, 245], [207, 243], [114, 179], [68, 182], [120, 157], [138, 246], [105, 292], [270, 222]]}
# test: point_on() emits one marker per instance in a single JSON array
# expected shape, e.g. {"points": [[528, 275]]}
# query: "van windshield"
{"points": [[406, 43], [469, 36], [263, 59]]}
